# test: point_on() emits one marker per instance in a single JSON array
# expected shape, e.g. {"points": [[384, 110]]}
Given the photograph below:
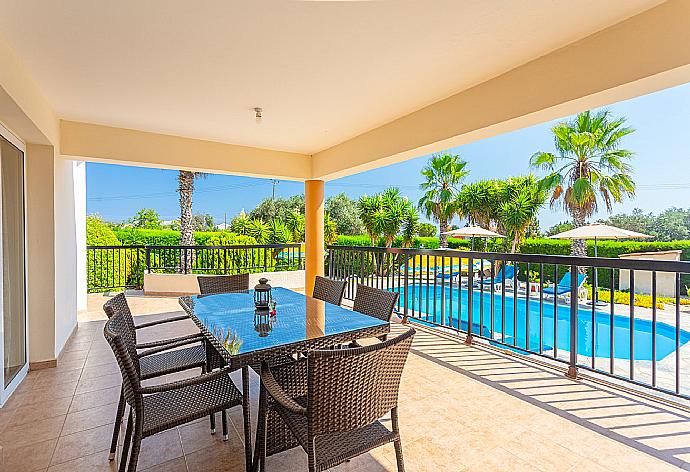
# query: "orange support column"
{"points": [[313, 232]]}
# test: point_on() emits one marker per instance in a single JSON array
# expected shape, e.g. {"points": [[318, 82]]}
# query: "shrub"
{"points": [[98, 233]]}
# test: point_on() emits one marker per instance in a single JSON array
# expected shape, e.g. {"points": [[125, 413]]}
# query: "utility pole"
{"points": [[274, 182]]}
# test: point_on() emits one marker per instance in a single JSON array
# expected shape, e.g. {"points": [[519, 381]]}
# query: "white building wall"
{"points": [[66, 252], [80, 220]]}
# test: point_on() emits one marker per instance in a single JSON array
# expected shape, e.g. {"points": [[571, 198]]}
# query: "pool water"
{"points": [[592, 334]]}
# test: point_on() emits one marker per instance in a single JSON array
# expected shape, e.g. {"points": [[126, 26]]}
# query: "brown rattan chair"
{"points": [[161, 357], [210, 284], [330, 403], [161, 407], [375, 302], [329, 290]]}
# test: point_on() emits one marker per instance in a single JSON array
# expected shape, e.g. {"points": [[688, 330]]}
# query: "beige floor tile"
{"points": [[501, 460], [160, 448], [31, 433], [99, 383], [34, 456], [83, 443], [93, 399], [175, 465], [215, 459], [97, 462], [32, 413], [89, 418]]}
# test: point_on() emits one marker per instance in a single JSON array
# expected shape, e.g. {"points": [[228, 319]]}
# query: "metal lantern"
{"points": [[263, 322], [262, 293]]}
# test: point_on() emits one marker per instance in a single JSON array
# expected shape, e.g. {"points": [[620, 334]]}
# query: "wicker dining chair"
{"points": [[161, 357], [329, 290], [330, 403], [375, 302], [161, 407], [210, 284]]}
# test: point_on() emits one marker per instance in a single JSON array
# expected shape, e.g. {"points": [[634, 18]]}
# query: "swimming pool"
{"points": [[599, 330]]}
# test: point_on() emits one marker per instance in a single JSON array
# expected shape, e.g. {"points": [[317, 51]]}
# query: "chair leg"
{"points": [[397, 443], [262, 429], [224, 416], [118, 423], [136, 445], [247, 419], [125, 445]]}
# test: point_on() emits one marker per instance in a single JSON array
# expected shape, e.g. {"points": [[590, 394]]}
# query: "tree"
{"points": [[240, 223], [426, 229], [589, 168], [559, 228], [258, 230], [203, 222], [480, 203], [343, 210], [330, 229], [99, 233], [522, 199], [271, 209], [443, 174], [147, 218], [295, 224], [385, 214], [185, 181]]}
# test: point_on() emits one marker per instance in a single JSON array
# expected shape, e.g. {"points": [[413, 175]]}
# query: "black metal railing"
{"points": [[123, 267], [113, 267], [528, 304]]}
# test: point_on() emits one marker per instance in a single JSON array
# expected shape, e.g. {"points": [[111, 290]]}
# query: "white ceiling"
{"points": [[323, 71]]}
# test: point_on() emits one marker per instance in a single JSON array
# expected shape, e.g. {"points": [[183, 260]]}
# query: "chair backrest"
{"points": [[118, 306], [329, 290], [565, 281], [510, 271], [375, 302], [118, 335], [351, 388], [209, 284]]}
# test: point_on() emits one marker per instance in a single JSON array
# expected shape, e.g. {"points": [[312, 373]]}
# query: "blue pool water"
{"points": [[592, 334]]}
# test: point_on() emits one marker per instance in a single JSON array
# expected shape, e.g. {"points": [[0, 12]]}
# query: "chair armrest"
{"points": [[165, 320], [185, 383], [277, 393], [157, 346]]}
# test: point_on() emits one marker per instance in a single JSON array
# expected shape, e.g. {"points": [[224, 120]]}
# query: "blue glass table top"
{"points": [[299, 319]]}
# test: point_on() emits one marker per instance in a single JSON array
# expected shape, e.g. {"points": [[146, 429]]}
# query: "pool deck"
{"points": [[461, 408]]}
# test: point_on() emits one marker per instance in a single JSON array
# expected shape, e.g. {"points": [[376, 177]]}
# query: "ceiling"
{"points": [[323, 71]]}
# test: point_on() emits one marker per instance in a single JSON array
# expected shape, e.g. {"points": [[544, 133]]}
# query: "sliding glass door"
{"points": [[13, 262]]}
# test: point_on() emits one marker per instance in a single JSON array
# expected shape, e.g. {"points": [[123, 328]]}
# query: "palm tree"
{"points": [[590, 166], [385, 214], [480, 202], [240, 223], [443, 174], [522, 199], [185, 180], [295, 223]]}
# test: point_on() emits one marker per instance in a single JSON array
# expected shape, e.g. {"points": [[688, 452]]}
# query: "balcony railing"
{"points": [[514, 302], [123, 267]]}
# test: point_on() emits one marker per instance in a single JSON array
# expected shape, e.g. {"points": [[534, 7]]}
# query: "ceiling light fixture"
{"points": [[258, 113]]}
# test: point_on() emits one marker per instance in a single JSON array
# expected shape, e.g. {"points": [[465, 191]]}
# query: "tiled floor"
{"points": [[462, 408]]}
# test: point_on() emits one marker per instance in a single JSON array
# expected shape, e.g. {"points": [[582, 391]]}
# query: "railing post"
{"points": [[572, 368], [470, 298], [148, 259], [405, 289]]}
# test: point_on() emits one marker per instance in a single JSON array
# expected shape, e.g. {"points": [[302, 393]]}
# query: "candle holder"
{"points": [[262, 294], [263, 322]]}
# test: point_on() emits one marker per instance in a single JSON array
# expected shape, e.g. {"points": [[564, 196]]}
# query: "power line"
{"points": [[165, 194]]}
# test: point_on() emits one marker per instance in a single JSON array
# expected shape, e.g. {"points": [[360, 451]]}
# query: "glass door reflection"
{"points": [[13, 269]]}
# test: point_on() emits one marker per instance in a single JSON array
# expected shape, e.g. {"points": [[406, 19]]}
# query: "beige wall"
{"points": [[645, 53], [66, 251], [40, 211], [103, 143]]}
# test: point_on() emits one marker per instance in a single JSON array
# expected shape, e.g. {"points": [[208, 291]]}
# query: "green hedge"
{"points": [[159, 237]]}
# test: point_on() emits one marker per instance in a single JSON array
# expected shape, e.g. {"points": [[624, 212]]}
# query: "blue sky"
{"points": [[661, 169]]}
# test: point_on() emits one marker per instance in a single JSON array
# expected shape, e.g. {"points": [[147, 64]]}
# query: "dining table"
{"points": [[244, 336]]}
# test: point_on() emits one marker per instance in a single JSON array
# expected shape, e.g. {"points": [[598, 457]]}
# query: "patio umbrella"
{"points": [[598, 231], [472, 232]]}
